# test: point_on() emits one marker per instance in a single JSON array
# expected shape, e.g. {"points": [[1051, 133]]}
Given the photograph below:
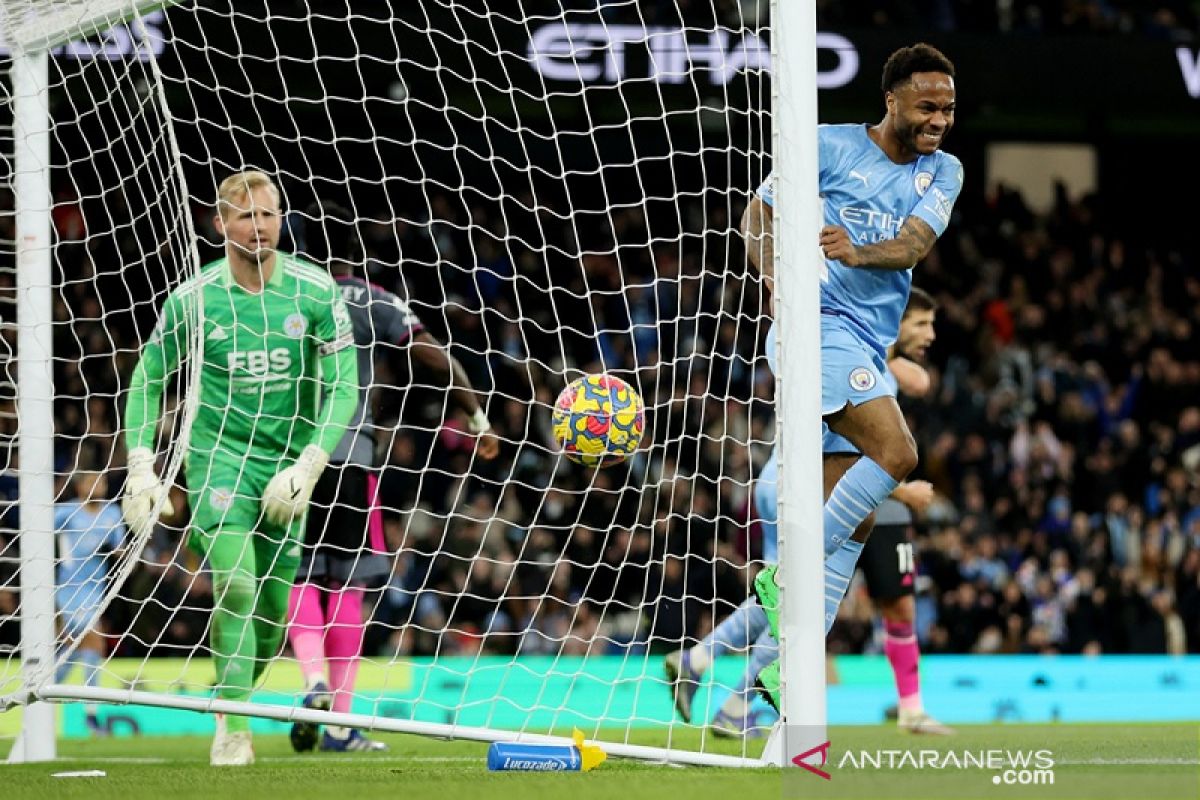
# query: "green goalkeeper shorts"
{"points": [[227, 494]]}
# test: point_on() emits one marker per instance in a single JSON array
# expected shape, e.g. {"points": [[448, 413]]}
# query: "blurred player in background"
{"points": [[344, 551], [888, 191], [278, 384], [90, 530], [888, 563], [889, 566]]}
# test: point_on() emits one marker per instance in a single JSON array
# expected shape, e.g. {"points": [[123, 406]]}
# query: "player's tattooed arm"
{"points": [[758, 232], [912, 244]]}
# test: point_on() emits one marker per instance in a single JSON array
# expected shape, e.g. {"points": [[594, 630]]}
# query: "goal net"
{"points": [[552, 191]]}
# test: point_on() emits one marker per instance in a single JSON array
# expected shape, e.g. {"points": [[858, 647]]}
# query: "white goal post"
{"points": [[552, 193]]}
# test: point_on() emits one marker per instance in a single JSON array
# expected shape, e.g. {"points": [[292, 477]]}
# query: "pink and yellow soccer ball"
{"points": [[599, 420]]}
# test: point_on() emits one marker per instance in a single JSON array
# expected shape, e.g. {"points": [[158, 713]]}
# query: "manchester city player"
{"points": [[888, 192], [888, 564]]}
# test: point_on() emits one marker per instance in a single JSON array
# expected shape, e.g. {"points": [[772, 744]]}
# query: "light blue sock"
{"points": [[733, 633], [859, 492], [91, 666], [839, 569], [763, 652], [756, 623]]}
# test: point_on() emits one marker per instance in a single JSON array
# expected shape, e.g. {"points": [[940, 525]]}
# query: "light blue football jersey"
{"points": [[85, 537], [870, 196]]}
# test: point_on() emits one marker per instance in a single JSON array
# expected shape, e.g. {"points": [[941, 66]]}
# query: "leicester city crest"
{"points": [[294, 325], [220, 498]]}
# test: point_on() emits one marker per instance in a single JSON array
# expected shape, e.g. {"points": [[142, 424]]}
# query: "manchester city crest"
{"points": [[862, 379], [922, 182]]}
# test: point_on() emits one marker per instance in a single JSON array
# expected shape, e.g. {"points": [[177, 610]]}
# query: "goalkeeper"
{"points": [[275, 339]]}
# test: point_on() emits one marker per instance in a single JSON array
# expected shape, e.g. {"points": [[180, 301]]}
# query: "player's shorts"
{"points": [[887, 559], [770, 346], [343, 541], [835, 443], [766, 504], [226, 494], [852, 372]]}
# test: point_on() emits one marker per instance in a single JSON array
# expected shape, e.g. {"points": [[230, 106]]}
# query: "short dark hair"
{"points": [[919, 57], [920, 300], [330, 234]]}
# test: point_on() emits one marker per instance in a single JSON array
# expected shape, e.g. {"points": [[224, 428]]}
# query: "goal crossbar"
{"points": [[50, 27]]}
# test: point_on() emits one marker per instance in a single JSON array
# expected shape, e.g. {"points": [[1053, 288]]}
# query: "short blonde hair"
{"points": [[238, 186]]}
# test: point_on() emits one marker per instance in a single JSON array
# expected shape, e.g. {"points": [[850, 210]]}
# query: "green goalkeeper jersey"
{"points": [[268, 359]]}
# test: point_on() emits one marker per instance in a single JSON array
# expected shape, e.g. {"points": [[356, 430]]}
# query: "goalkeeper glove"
{"points": [[478, 423], [288, 493], [144, 492]]}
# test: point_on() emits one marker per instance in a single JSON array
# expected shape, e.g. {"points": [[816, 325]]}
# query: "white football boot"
{"points": [[920, 722], [230, 749]]}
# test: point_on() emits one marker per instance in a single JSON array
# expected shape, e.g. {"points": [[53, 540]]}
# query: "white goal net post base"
{"points": [[664, 755]]}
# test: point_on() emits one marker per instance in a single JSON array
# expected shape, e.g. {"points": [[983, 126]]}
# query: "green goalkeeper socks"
{"points": [[270, 613], [232, 635], [249, 614]]}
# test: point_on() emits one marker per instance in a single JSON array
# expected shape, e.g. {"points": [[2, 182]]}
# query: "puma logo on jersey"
{"points": [[864, 178]]}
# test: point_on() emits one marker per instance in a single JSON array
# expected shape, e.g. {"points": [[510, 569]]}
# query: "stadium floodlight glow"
{"points": [[546, 229]]}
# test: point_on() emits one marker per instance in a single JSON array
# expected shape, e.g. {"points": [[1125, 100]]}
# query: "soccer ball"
{"points": [[599, 420]]}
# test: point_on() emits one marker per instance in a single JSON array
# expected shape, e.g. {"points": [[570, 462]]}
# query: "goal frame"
{"points": [[794, 115], [31, 37]]}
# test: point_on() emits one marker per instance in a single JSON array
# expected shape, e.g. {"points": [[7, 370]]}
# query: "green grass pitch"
{"points": [[1145, 762]]}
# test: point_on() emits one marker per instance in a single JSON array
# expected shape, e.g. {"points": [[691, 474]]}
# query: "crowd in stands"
{"points": [[1168, 20], [1062, 436], [1162, 20]]}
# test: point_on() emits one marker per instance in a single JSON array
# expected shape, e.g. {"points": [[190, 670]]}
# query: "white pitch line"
{"points": [[313, 759], [379, 759], [116, 759], [374, 759]]}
